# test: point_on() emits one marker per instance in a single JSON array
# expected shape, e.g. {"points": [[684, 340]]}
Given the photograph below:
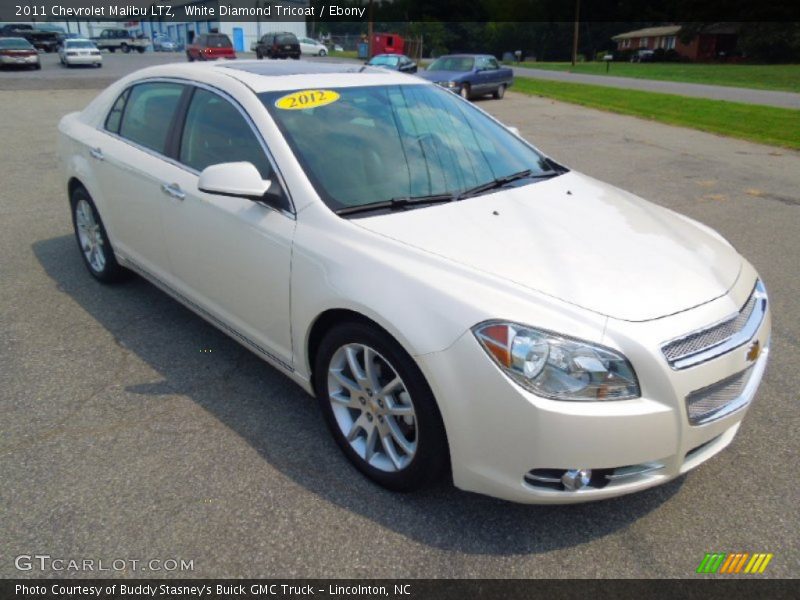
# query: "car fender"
{"points": [[424, 301]]}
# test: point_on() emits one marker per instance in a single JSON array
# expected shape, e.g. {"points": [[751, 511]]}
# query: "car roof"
{"points": [[265, 76], [466, 56], [14, 39]]}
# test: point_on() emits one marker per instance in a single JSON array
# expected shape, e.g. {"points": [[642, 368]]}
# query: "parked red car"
{"points": [[210, 46]]}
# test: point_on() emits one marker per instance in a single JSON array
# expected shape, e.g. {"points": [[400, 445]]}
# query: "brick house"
{"points": [[711, 43]]}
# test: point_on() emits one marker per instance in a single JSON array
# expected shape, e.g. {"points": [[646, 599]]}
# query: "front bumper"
{"points": [[498, 432]]}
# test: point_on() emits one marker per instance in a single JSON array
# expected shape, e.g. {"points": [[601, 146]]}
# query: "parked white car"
{"points": [[312, 47], [79, 51], [454, 298]]}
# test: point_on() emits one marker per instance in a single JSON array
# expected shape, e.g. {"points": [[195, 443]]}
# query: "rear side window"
{"points": [[148, 114], [216, 132], [115, 115]]}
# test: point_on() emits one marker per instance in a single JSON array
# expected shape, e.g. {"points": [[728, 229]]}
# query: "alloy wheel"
{"points": [[372, 407], [90, 236]]}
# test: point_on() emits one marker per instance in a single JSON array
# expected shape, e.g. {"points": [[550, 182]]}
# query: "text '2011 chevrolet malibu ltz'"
{"points": [[458, 302]]}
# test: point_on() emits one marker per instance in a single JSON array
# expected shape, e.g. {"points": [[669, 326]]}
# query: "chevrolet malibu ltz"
{"points": [[460, 304]]}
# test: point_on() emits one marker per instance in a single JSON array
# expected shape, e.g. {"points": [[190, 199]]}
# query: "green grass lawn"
{"points": [[345, 54], [764, 124], [765, 77]]}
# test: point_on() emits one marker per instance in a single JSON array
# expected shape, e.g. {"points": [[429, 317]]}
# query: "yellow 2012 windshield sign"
{"points": [[306, 99]]}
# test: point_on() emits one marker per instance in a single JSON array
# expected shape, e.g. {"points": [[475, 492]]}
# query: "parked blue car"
{"points": [[470, 75]]}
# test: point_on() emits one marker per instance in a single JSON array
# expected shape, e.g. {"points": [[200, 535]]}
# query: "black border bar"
{"points": [[700, 588]]}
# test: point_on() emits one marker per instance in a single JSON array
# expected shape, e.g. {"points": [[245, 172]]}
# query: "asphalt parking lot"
{"points": [[131, 429]]}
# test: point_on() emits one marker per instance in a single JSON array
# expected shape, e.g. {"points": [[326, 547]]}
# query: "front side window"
{"points": [[216, 132], [378, 143], [149, 112]]}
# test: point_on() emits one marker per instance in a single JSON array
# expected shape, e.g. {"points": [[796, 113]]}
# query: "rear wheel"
{"points": [[125, 48], [98, 256], [141, 49], [499, 92], [112, 50], [323, 53], [259, 56], [379, 407], [189, 57]]}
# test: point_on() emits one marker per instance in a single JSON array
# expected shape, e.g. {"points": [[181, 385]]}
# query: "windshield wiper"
{"points": [[503, 181], [396, 203]]}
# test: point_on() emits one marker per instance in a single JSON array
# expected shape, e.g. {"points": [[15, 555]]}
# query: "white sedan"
{"points": [[312, 47], [79, 52], [459, 303]]}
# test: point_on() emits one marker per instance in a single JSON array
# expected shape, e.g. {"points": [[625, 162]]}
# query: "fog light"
{"points": [[575, 479]]}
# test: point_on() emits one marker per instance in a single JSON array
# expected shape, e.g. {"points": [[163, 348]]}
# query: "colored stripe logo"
{"points": [[737, 562]]}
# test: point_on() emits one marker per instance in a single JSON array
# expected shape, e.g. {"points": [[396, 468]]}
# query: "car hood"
{"points": [[579, 240], [441, 75]]}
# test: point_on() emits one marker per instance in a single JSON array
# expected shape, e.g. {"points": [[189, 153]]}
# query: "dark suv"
{"points": [[278, 44]]}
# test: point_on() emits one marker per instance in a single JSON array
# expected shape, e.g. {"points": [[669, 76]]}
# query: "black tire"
{"points": [[141, 49], [466, 91], [323, 53], [98, 65], [111, 272], [37, 67], [189, 57], [125, 48], [499, 92], [112, 50], [430, 461]]}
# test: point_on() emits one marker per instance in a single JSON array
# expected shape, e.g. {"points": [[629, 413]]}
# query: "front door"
{"points": [[230, 255]]}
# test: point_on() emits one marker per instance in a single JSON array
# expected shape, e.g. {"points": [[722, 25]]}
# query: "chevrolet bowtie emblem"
{"points": [[754, 351]]}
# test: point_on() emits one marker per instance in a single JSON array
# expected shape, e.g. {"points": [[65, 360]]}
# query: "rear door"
{"points": [[232, 256], [130, 161]]}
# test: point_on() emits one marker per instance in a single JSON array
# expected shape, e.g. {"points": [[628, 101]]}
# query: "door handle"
{"points": [[174, 190], [96, 153]]}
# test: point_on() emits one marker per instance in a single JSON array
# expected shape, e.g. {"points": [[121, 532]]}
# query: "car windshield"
{"points": [[15, 44], [286, 38], [218, 41], [361, 145], [385, 60], [452, 63], [78, 44]]}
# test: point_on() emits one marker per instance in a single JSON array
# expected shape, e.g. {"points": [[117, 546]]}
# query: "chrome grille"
{"points": [[705, 404], [731, 333]]}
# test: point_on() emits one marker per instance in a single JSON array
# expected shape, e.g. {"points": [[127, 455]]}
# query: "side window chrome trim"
{"points": [[291, 212]]}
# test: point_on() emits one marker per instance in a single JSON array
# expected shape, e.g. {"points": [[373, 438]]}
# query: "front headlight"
{"points": [[555, 366]]}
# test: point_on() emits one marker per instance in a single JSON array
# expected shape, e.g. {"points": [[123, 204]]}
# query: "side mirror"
{"points": [[514, 130], [237, 179]]}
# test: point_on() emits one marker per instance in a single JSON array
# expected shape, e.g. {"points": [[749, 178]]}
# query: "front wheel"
{"points": [[379, 408], [141, 49], [98, 256], [323, 53], [465, 91], [125, 48], [189, 57], [259, 56], [112, 50], [499, 92]]}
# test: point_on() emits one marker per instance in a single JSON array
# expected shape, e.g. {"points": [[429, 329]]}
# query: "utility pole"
{"points": [[575, 32], [369, 30]]}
